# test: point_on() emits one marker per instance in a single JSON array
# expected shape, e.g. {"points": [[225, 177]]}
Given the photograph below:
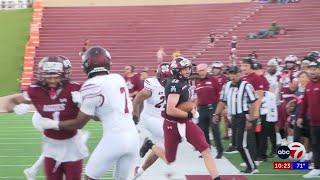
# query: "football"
{"points": [[186, 106]]}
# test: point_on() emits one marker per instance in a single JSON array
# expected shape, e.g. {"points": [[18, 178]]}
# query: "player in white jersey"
{"points": [[153, 97], [272, 76], [106, 97]]}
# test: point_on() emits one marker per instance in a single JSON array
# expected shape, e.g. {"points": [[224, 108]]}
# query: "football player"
{"points": [[153, 97], [20, 109], [63, 150], [178, 124], [106, 97]]}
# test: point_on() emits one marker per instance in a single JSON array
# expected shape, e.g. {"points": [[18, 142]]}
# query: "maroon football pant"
{"points": [[71, 170], [282, 113], [172, 138]]}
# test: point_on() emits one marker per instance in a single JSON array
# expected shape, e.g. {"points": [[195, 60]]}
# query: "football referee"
{"points": [[237, 95]]}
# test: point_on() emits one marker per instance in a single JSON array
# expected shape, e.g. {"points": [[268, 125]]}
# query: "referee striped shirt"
{"points": [[238, 97]]}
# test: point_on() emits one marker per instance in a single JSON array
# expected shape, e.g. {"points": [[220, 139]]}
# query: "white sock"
{"points": [[279, 139], [140, 170], [290, 139], [38, 164]]}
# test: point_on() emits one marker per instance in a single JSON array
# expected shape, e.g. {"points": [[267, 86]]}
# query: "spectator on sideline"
{"points": [[273, 29], [310, 104], [161, 55], [302, 134], [233, 57], [176, 54], [234, 42], [212, 38], [133, 81], [85, 47], [208, 90]]}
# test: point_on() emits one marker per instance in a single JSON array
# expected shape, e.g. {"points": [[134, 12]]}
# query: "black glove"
{"points": [[135, 119]]}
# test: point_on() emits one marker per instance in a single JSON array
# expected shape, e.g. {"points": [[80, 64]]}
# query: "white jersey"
{"points": [[274, 84], [154, 105], [271, 110], [273, 80], [107, 97]]}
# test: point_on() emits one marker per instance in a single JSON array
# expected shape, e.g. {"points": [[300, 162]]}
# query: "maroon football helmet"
{"points": [[96, 59], [163, 72], [178, 64], [51, 66]]}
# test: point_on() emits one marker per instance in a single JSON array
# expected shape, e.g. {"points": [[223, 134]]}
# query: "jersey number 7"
{"points": [[123, 91]]}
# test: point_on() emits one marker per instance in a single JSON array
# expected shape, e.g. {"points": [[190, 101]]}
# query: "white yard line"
{"points": [[39, 138], [32, 130]]}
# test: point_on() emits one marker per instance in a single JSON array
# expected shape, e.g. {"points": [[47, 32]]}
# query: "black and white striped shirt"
{"points": [[238, 97]]}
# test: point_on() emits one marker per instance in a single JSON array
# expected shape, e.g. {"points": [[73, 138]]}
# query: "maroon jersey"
{"points": [[255, 81], [222, 79], [62, 106], [208, 90], [264, 82], [286, 92], [134, 83], [311, 103]]}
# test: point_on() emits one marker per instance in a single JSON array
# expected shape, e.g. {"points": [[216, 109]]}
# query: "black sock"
{"points": [[149, 144], [282, 133], [217, 178]]}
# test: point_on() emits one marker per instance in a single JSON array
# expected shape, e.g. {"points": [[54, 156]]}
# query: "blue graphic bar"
{"points": [[300, 165]]}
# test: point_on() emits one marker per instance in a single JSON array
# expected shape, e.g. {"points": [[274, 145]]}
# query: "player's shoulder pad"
{"points": [[75, 83], [90, 89], [74, 86], [176, 86], [115, 76]]}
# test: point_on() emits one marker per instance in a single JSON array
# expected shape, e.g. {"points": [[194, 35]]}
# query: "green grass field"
{"points": [[20, 147], [14, 35]]}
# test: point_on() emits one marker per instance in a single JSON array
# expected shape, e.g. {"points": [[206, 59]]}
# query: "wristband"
{"points": [[190, 115]]}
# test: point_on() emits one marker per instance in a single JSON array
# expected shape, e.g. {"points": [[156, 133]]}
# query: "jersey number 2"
{"points": [[162, 98], [123, 90]]}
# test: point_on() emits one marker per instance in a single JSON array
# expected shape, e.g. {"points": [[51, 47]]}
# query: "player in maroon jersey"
{"points": [[287, 88], [52, 97]]}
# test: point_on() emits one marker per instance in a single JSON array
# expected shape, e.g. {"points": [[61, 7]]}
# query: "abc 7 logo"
{"points": [[295, 151]]}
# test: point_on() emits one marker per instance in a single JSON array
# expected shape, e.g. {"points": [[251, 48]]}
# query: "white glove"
{"points": [[47, 123], [76, 97], [196, 115], [21, 109]]}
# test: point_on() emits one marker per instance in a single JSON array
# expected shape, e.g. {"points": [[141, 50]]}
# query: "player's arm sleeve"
{"points": [[147, 85], [92, 98]]}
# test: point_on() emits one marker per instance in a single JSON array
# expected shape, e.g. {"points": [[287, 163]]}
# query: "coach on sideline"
{"points": [[237, 94], [310, 105], [208, 93]]}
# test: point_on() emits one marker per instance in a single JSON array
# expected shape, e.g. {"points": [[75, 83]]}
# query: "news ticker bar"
{"points": [[291, 165]]}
